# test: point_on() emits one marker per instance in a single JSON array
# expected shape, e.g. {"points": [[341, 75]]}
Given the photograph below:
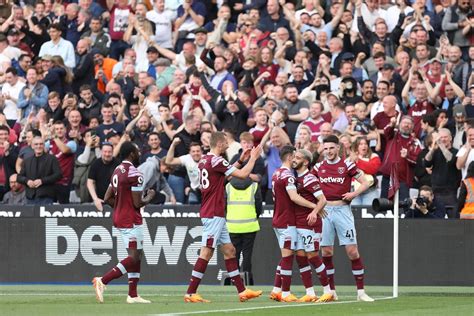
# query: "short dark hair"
{"points": [[290, 86], [85, 87], [380, 55], [127, 149], [429, 119], [55, 26], [286, 150], [12, 71], [426, 188], [153, 133], [4, 128], [23, 56], [331, 139]]}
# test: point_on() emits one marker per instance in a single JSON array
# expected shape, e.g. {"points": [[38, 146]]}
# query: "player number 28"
{"points": [[204, 179]]}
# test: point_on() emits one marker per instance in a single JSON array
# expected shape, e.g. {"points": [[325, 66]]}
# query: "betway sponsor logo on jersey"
{"points": [[331, 180], [98, 245]]}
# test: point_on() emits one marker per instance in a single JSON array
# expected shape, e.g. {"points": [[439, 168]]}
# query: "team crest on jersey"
{"points": [[341, 170]]}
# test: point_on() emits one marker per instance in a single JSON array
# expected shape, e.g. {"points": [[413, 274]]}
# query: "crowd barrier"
{"points": [[73, 243]]}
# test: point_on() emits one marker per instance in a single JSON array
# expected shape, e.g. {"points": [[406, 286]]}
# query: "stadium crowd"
{"points": [[394, 81]]}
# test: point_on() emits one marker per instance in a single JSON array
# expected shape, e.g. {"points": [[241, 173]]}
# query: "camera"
{"points": [[383, 205]]}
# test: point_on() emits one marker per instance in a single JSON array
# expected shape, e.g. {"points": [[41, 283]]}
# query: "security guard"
{"points": [[244, 206]]}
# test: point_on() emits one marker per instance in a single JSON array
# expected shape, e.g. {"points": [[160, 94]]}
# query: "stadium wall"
{"points": [[73, 243]]}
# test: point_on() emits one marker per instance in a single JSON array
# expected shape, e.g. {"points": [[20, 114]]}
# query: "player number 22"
{"points": [[307, 240], [204, 179]]}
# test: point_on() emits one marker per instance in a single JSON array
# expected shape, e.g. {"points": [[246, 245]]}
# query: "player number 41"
{"points": [[350, 233]]}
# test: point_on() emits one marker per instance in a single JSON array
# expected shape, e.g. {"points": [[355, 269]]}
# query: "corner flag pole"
{"points": [[395, 244]]}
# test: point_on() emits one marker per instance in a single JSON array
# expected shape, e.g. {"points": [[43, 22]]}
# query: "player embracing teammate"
{"points": [[213, 170], [286, 200]]}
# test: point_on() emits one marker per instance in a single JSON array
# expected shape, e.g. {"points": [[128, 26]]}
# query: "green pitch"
{"points": [[80, 300]]}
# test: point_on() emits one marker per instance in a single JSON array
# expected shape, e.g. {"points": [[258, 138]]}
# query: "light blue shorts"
{"points": [[132, 237], [308, 240], [287, 237], [214, 232], [339, 221]]}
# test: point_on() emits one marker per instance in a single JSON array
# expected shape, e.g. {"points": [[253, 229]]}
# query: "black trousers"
{"points": [[62, 193], [243, 243]]}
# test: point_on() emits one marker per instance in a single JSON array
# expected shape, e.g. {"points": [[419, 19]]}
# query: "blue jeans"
{"points": [[117, 49], [177, 185], [194, 198], [40, 201], [365, 198]]}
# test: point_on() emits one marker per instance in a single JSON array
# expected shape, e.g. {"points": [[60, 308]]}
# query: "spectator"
{"points": [[40, 182], [100, 172], [369, 163], [58, 46], [190, 162], [247, 143], [57, 77], [84, 70], [98, 39], [188, 135], [108, 122], [445, 177], [402, 150], [10, 94], [16, 195], [465, 154], [118, 23], [154, 179], [70, 24], [103, 70], [83, 161], [34, 95], [63, 149], [190, 16], [426, 205], [155, 149], [163, 20], [88, 104], [298, 110], [454, 20], [232, 113]]}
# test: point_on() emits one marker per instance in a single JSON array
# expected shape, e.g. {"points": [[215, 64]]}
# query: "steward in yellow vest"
{"points": [[244, 206]]}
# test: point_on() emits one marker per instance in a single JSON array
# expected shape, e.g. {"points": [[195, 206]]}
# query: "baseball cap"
{"points": [[200, 30], [13, 31], [432, 60], [347, 56], [111, 134], [388, 66]]}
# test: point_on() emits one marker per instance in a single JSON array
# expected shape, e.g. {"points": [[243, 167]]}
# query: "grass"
{"points": [[80, 300]]}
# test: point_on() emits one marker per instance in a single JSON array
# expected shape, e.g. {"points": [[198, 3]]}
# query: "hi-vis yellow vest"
{"points": [[468, 210], [241, 214]]}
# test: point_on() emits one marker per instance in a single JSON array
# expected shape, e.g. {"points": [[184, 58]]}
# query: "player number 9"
{"points": [[204, 179], [115, 181]]}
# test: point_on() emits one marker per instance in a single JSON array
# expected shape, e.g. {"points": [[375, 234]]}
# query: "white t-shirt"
{"points": [[163, 26], [192, 170], [469, 159], [153, 108], [11, 110]]}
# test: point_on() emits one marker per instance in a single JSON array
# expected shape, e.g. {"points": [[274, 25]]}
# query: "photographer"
{"points": [[426, 205]]}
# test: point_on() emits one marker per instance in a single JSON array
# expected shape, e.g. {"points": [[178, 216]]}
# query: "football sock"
{"points": [[286, 270], [305, 272], [196, 275], [320, 268], [120, 269], [133, 278], [234, 274], [329, 271], [358, 272], [277, 282]]}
